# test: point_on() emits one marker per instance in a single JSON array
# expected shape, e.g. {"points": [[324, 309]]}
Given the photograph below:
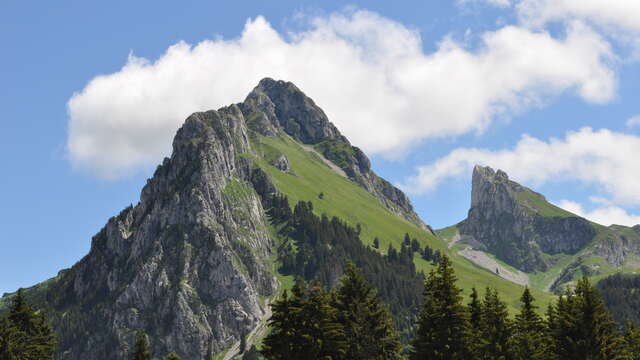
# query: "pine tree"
{"points": [[475, 309], [583, 329], [407, 240], [529, 340], [368, 327], [632, 341], [475, 321], [443, 324], [495, 328], [304, 326], [25, 333], [141, 350]]}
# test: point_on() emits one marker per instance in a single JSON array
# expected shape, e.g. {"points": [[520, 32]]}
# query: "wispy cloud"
{"points": [[633, 121]]}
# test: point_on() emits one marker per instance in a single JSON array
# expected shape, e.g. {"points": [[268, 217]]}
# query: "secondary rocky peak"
{"points": [[488, 185], [518, 224]]}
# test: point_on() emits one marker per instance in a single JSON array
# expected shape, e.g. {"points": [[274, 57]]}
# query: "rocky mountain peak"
{"points": [[288, 108], [518, 224], [276, 106], [488, 185]]}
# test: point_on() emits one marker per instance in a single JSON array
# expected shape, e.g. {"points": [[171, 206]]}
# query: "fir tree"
{"points": [[632, 341], [141, 350], [475, 309], [172, 356], [368, 326], [583, 329], [529, 340], [304, 326], [475, 321], [495, 329], [25, 333], [442, 325]]}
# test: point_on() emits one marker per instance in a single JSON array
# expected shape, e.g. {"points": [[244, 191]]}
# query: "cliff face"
{"points": [[278, 105], [518, 225], [188, 264]]}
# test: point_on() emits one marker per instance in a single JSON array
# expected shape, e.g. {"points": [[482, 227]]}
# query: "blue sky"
{"points": [[426, 88]]}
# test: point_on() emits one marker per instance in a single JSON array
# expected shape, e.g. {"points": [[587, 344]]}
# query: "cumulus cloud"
{"points": [[621, 14], [605, 215], [633, 121], [366, 72], [603, 158]]}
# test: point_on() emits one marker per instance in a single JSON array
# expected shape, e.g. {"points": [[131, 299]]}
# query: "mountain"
{"points": [[540, 241], [196, 262]]}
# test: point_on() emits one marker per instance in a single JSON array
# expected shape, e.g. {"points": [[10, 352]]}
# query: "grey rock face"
{"points": [[187, 264], [279, 105], [515, 232]]}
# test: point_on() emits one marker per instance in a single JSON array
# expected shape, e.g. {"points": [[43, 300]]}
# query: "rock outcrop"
{"points": [[518, 225]]}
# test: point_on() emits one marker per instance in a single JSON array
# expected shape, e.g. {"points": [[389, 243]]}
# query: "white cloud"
{"points": [[364, 70], [622, 14], [603, 158], [633, 121], [606, 215]]}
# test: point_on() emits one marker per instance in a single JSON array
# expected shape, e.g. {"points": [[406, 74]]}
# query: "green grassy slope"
{"points": [[345, 199]]}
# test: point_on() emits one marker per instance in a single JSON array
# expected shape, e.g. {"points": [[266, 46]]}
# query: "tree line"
{"points": [[351, 322]]}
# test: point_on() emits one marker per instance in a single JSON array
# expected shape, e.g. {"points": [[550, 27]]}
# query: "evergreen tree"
{"points": [[475, 309], [172, 356], [632, 341], [141, 350], [25, 333], [475, 321], [368, 326], [529, 340], [495, 328], [415, 246], [407, 240], [443, 324], [582, 328], [304, 327]]}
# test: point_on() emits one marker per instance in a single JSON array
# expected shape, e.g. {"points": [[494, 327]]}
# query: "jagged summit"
{"points": [[524, 230], [288, 108], [518, 224]]}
